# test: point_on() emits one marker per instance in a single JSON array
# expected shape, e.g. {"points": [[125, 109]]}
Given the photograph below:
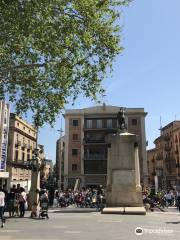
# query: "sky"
{"points": [[146, 74]]}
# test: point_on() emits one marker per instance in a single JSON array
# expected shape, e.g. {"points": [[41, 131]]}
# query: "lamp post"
{"points": [[35, 165]]}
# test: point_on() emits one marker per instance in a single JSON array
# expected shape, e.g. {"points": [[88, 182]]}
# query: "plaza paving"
{"points": [[85, 224]]}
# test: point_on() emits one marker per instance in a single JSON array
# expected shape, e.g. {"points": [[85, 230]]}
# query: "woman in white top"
{"points": [[2, 205]]}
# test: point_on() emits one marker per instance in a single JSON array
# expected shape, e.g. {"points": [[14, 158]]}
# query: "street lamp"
{"points": [[35, 164]]}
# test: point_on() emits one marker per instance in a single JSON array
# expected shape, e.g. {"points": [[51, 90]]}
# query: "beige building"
{"points": [[85, 155], [167, 156], [4, 129], [22, 142]]}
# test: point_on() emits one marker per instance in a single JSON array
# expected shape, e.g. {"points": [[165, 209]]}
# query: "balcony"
{"points": [[94, 140], [159, 157], [95, 157], [167, 148], [17, 143], [177, 151], [24, 145], [177, 165], [167, 137], [95, 167], [29, 147]]}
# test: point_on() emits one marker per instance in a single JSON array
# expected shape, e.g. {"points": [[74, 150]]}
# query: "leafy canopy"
{"points": [[51, 50]]}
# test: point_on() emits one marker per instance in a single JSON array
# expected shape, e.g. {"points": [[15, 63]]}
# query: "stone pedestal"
{"points": [[35, 184], [124, 192]]}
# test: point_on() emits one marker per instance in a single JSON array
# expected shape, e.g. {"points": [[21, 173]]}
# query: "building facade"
{"points": [[21, 143], [167, 156], [4, 129], [85, 153]]}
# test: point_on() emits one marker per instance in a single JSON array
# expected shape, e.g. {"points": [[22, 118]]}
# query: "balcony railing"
{"points": [[18, 143], [159, 157], [95, 167], [24, 145], [94, 140], [167, 148], [95, 157], [167, 137], [176, 151], [29, 147], [177, 165]]}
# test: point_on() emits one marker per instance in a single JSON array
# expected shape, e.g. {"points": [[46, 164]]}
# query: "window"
{"points": [[89, 123], [75, 137], [74, 167], [134, 122], [5, 118], [28, 156], [75, 122], [99, 123], [23, 156], [16, 155], [74, 152], [109, 123]]}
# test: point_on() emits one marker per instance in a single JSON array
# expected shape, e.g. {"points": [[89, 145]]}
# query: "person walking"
{"points": [[2, 205], [178, 201], [22, 202]]}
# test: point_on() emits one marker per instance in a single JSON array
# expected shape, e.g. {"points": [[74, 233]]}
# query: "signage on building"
{"points": [[4, 142]]}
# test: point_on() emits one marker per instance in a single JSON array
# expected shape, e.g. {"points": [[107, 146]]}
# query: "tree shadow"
{"points": [[177, 222], [75, 211]]}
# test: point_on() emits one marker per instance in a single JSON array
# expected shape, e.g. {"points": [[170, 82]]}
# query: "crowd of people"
{"points": [[162, 199], [86, 197], [16, 200]]}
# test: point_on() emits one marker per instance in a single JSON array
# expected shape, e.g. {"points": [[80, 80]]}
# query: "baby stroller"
{"points": [[44, 210]]}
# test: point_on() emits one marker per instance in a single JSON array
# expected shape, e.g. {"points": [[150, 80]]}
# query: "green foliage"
{"points": [[53, 50]]}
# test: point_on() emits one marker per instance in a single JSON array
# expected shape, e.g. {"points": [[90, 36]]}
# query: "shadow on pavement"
{"points": [[173, 222], [75, 211]]}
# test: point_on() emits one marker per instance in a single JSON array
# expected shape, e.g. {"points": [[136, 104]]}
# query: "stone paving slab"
{"points": [[113, 210], [135, 210]]}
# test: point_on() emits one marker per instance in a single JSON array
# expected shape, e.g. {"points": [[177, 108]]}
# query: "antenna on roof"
{"points": [[160, 125], [104, 106], [60, 130]]}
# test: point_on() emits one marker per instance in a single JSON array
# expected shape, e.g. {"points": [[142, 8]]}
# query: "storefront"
{"points": [[4, 176]]}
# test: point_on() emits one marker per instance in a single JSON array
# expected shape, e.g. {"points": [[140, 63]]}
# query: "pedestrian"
{"points": [[2, 205], [178, 201], [22, 202]]}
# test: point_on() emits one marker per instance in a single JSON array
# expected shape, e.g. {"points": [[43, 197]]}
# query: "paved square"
{"points": [[87, 225]]}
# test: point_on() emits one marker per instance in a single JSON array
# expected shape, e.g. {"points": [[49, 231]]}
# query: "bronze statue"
{"points": [[121, 119]]}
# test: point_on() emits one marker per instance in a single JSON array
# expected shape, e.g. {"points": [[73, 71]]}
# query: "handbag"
{"points": [[25, 206]]}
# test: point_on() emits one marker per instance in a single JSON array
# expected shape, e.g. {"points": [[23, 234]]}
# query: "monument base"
{"points": [[124, 210]]}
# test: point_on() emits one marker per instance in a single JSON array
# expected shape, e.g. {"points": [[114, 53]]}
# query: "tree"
{"points": [[51, 51]]}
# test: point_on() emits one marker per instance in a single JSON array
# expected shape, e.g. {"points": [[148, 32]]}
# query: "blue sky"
{"points": [[146, 74]]}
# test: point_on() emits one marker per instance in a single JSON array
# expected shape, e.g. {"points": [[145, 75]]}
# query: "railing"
{"points": [[95, 157], [167, 137], [29, 147], [176, 151], [95, 167], [18, 143], [24, 145], [167, 148], [159, 157], [94, 140]]}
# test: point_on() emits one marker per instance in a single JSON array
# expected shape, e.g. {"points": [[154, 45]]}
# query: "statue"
{"points": [[121, 119]]}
